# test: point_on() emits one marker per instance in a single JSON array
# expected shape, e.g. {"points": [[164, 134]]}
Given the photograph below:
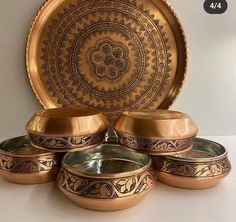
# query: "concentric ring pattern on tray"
{"points": [[106, 55]]}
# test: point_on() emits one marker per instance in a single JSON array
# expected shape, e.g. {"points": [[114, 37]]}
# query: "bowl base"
{"points": [[30, 178], [188, 182], [105, 204]]}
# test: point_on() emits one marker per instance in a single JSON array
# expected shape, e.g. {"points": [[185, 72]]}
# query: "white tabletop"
{"points": [[39, 203]]}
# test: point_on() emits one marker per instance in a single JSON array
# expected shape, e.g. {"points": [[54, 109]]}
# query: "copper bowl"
{"points": [[204, 166], [157, 132], [23, 164], [64, 129], [106, 178]]}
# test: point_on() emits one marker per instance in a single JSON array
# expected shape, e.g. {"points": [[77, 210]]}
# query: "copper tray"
{"points": [[106, 55]]}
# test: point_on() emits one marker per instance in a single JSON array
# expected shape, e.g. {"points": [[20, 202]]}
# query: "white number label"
{"points": [[215, 5]]}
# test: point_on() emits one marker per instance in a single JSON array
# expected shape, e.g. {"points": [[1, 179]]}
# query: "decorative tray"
{"points": [[106, 55]]}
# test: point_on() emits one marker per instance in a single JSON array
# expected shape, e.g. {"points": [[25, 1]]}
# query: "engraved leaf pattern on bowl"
{"points": [[13, 164], [155, 145], [191, 169], [104, 189], [6, 163]]}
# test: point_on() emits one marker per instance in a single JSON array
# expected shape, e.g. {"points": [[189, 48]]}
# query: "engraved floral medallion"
{"points": [[109, 60]]}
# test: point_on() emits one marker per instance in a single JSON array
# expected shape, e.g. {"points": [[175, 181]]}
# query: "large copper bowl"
{"points": [[64, 129], [157, 132], [204, 166], [106, 178], [23, 164]]}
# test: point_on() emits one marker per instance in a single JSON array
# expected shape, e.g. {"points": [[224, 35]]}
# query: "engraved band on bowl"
{"points": [[67, 142]]}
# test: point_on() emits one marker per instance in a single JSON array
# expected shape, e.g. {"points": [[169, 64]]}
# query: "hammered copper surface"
{"points": [[106, 55]]}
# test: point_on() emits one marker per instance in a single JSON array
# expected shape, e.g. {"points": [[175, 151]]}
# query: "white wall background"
{"points": [[209, 92]]}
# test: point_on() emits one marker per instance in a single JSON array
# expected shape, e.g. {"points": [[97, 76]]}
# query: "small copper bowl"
{"points": [[64, 129], [157, 132], [106, 178], [23, 164], [204, 166]]}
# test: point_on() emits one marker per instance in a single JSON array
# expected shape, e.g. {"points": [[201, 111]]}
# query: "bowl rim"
{"points": [[201, 159], [42, 112], [142, 169], [12, 154], [178, 114]]}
